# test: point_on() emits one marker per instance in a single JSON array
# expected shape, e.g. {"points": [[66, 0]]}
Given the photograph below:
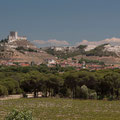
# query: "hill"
{"points": [[22, 51], [105, 53], [100, 51], [66, 52]]}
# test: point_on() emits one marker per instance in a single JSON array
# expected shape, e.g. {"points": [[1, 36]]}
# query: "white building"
{"points": [[14, 36], [51, 61], [58, 49]]}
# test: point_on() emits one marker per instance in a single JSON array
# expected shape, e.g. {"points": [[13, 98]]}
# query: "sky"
{"points": [[61, 22]]}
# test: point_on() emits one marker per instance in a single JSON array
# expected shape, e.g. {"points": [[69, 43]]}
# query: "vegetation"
{"points": [[63, 109], [4, 41], [60, 83], [3, 90], [82, 47], [80, 50], [67, 83], [67, 53], [22, 49], [19, 115], [91, 61], [99, 51]]}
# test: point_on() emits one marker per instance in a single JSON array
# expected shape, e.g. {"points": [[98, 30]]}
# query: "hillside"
{"points": [[66, 52], [22, 51], [106, 59], [104, 53], [100, 51]]}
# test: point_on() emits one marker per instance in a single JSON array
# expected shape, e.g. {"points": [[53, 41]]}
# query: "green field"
{"points": [[64, 109]]}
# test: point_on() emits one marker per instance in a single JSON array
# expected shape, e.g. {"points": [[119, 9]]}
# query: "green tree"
{"points": [[32, 82], [11, 85], [71, 82]]}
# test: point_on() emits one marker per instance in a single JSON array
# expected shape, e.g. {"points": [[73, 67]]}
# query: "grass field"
{"points": [[64, 109]]}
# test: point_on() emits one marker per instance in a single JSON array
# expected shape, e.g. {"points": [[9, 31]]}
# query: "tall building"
{"points": [[14, 37], [14, 34]]}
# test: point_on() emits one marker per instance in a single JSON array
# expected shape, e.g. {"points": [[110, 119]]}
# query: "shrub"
{"points": [[65, 92], [84, 92], [111, 97], [19, 115], [78, 92], [92, 94], [3, 90], [25, 95]]}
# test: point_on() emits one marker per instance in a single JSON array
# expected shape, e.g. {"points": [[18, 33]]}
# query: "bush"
{"points": [[3, 90], [78, 92], [65, 92], [19, 115], [84, 92], [19, 91], [92, 94], [25, 95], [111, 97]]}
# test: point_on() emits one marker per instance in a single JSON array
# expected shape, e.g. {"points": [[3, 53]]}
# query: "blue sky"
{"points": [[68, 20]]}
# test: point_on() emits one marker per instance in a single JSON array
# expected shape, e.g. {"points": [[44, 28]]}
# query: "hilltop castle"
{"points": [[14, 36]]}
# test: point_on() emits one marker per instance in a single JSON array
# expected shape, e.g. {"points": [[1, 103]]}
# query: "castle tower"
{"points": [[14, 34]]}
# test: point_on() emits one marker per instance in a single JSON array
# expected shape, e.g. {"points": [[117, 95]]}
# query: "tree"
{"points": [[113, 83], [71, 82], [11, 85], [32, 82], [53, 84]]}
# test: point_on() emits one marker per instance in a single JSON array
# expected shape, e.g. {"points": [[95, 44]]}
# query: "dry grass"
{"points": [[64, 109]]}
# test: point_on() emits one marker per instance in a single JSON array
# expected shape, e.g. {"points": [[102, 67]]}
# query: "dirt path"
{"points": [[11, 97]]}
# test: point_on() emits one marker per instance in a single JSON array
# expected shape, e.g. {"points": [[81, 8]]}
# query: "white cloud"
{"points": [[112, 41], [51, 42]]}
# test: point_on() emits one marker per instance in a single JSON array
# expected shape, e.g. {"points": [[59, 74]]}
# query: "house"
{"points": [[24, 64]]}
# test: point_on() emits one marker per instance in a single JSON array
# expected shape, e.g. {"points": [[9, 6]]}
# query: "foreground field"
{"points": [[64, 109]]}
